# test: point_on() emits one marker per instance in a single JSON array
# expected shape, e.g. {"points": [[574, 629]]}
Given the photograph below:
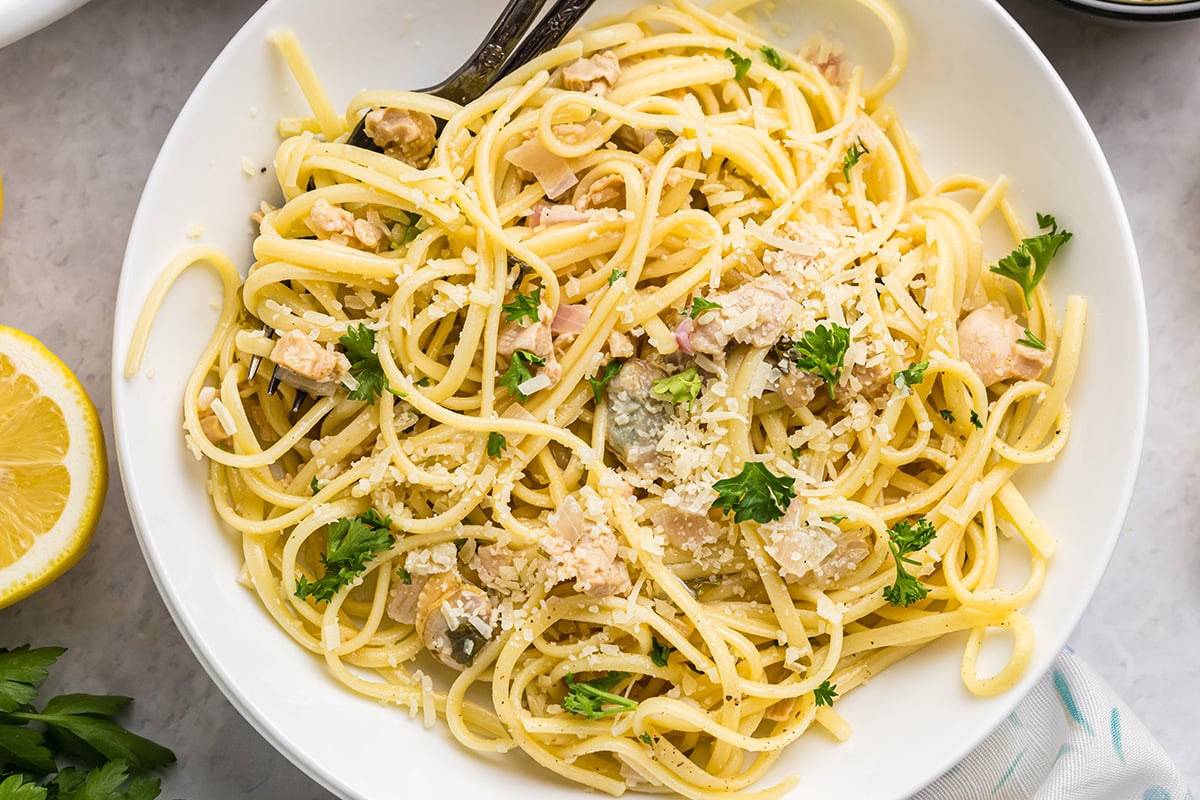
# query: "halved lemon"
{"points": [[53, 470]]}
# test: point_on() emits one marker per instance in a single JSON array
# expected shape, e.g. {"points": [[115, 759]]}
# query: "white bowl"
{"points": [[19, 18], [978, 97]]}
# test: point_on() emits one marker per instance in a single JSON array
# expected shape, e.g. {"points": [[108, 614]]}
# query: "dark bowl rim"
{"points": [[1158, 12]]}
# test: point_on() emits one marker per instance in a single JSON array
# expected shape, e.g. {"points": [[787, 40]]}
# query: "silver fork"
{"points": [[498, 55]]}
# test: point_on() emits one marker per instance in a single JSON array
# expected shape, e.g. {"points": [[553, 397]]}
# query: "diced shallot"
{"points": [[570, 319]]}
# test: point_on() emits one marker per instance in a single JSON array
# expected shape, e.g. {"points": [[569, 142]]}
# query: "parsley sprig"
{"points": [[822, 352], [913, 375], [524, 306], [496, 444], [700, 305], [823, 695], [903, 539], [518, 372], [856, 151], [598, 383], [755, 493], [681, 386], [594, 699], [359, 341], [659, 652], [350, 544], [741, 64], [772, 56], [80, 727], [1027, 264]]}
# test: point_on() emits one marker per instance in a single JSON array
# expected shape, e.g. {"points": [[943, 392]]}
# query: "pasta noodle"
{"points": [[638, 382]]}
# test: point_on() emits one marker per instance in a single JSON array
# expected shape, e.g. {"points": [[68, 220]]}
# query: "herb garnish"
{"points": [[681, 386], [660, 652], [314, 485], [821, 352], [856, 151], [518, 372], [587, 699], [350, 544], [904, 538], [616, 275], [755, 493], [1027, 264], [700, 305], [823, 695], [403, 575], [772, 56], [359, 341], [837, 518], [1031, 340], [610, 371], [947, 415], [913, 375], [496, 444], [524, 306], [741, 64], [79, 726], [975, 420]]}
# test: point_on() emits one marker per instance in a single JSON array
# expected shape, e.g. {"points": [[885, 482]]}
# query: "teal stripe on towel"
{"points": [[1011, 770], [1156, 793], [1064, 691], [1114, 725]]}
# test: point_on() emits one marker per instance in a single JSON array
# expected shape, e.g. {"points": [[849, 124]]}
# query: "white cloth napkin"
{"points": [[1072, 738]]}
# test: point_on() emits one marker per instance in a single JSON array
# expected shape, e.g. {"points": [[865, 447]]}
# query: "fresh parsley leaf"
{"points": [[314, 485], [645, 738], [837, 518], [350, 544], [610, 371], [423, 381], [823, 695], [14, 787], [21, 669], [496, 444], [903, 539], [1031, 340], [660, 652], [681, 386], [588, 699], [947, 415], [616, 275], [772, 56], [856, 151], [26, 749], [975, 420], [524, 306], [522, 268], [359, 341], [403, 575], [741, 64], [797, 452], [755, 493], [913, 375], [700, 305], [1027, 264], [821, 351], [518, 372]]}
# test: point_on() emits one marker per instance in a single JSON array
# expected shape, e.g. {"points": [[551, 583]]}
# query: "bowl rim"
{"points": [[1172, 11]]}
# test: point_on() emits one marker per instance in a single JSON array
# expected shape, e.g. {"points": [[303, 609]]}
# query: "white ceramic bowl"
{"points": [[978, 97], [19, 18]]}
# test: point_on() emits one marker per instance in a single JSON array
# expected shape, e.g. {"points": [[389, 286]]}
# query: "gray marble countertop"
{"points": [[84, 106]]}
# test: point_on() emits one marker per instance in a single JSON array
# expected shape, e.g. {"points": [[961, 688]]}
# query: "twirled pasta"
{"points": [[688, 179]]}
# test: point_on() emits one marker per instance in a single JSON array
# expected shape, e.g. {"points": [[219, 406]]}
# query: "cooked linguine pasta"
{"points": [[657, 399]]}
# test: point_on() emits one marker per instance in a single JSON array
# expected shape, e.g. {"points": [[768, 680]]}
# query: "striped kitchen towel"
{"points": [[1072, 738]]}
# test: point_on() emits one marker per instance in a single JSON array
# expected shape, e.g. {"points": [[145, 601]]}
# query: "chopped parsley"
{"points": [[590, 698], [660, 652], [645, 738], [314, 486], [681, 386], [821, 351], [422, 381], [610, 371], [1027, 264], [837, 518], [741, 64], [1032, 340], [903, 539], [616, 275], [947, 415], [856, 151], [524, 306], [359, 341], [410, 233], [496, 444], [350, 544], [518, 372], [700, 305], [913, 375], [772, 56], [823, 695], [755, 493], [522, 268], [975, 420]]}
